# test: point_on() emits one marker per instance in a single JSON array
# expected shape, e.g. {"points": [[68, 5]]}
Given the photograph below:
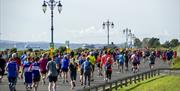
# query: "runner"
{"points": [[126, 59], [134, 62], [58, 63], [73, 72], [103, 62], [152, 60], [81, 61], [108, 69], [12, 69], [169, 55], [27, 74], [121, 62], [87, 71], [64, 68], [2, 66], [164, 56], [52, 74], [98, 62], [92, 60], [35, 73], [43, 62]]}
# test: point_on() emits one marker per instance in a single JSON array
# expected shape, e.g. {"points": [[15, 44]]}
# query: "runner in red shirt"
{"points": [[43, 62]]}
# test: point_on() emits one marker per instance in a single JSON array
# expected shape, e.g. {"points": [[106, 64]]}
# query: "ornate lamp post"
{"points": [[52, 4], [126, 32], [108, 24]]}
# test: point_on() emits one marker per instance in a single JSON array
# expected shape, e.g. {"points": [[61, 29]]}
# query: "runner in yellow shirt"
{"points": [[92, 60]]}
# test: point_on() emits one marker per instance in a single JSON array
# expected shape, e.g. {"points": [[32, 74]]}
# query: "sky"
{"points": [[81, 20]]}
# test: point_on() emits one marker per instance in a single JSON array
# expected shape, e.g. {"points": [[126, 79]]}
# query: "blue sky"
{"points": [[81, 20]]}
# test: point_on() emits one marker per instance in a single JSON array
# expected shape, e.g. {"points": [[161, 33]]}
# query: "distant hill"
{"points": [[6, 44]]}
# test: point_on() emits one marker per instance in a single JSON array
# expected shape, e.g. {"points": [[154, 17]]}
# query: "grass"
{"points": [[160, 83], [176, 63]]}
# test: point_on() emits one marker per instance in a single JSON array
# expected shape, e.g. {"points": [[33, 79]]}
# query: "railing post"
{"points": [[96, 88], [126, 82], [104, 87], [110, 87], [130, 80], [139, 78], [155, 72], [121, 83], [158, 71], [145, 75], [134, 79], [116, 85], [152, 73], [142, 77], [149, 75]]}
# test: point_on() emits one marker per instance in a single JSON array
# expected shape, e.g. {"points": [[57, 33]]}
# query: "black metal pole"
{"points": [[126, 38], [108, 32], [52, 27]]}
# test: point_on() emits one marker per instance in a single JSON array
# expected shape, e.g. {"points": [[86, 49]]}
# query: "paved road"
{"points": [[98, 80]]}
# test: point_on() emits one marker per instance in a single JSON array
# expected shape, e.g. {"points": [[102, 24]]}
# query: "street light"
{"points": [[108, 24], [52, 4], [132, 37], [126, 32]]}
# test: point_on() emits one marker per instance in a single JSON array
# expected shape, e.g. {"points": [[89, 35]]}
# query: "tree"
{"points": [[62, 49], [137, 42], [145, 42], [153, 43], [166, 44], [174, 42]]}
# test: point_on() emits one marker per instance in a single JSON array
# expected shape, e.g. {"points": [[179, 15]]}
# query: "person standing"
{"points": [[52, 74]]}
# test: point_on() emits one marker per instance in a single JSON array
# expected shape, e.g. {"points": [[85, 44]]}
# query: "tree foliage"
{"points": [[166, 44], [174, 42], [145, 42], [153, 43], [137, 42]]}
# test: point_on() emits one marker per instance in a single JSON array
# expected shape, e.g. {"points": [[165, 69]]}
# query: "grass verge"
{"points": [[160, 83]]}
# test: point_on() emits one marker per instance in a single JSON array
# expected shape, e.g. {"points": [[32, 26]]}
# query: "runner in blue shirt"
{"points": [[121, 60], [12, 69], [27, 74], [35, 73], [64, 67]]}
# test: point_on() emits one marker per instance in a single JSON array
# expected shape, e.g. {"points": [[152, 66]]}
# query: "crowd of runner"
{"points": [[33, 68]]}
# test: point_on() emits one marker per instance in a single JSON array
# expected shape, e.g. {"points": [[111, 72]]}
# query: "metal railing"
{"points": [[129, 80]]}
